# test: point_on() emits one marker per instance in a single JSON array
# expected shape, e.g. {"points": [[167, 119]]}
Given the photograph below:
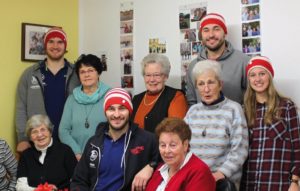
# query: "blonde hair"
{"points": [[273, 101]]}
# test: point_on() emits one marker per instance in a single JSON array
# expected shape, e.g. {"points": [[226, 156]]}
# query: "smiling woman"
{"points": [[181, 170], [47, 160], [83, 110], [158, 101]]}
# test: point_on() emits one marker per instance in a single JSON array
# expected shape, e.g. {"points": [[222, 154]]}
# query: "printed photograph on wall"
{"points": [[251, 46], [188, 35], [127, 82], [126, 44], [251, 29], [103, 59], [190, 16], [32, 48], [126, 27], [198, 13], [157, 45], [126, 61], [250, 13], [246, 2]]}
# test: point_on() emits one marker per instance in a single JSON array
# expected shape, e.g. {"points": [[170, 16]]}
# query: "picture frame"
{"points": [[32, 48]]}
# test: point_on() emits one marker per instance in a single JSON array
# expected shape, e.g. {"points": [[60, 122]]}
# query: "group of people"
{"points": [[75, 132]]}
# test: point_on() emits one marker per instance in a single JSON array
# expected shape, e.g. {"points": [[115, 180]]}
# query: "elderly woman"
{"points": [[8, 167], [47, 160], [273, 121], [182, 170], [158, 101], [219, 129], [84, 108]]}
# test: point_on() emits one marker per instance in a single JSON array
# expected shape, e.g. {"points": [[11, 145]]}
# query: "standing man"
{"points": [[233, 62], [120, 156], [44, 87]]}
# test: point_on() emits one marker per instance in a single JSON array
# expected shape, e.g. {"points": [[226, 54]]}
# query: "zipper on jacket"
{"points": [[97, 165]]}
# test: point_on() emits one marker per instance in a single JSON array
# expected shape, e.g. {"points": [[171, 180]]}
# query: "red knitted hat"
{"points": [[117, 96], [261, 62], [213, 18], [55, 32]]}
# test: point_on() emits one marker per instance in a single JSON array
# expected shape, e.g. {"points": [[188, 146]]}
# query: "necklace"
{"points": [[152, 102], [87, 114]]}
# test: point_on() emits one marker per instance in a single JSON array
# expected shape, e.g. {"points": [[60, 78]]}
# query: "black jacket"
{"points": [[142, 150], [57, 169]]}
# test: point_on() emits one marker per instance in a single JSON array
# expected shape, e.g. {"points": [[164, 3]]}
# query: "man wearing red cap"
{"points": [[213, 31], [44, 87], [118, 151]]}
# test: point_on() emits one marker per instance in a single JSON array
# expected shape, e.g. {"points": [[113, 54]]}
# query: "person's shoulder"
{"points": [[2, 141], [196, 164], [141, 132], [138, 95], [31, 69], [233, 104], [286, 102], [196, 106]]}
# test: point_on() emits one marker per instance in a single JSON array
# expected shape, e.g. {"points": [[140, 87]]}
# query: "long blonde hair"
{"points": [[273, 101]]}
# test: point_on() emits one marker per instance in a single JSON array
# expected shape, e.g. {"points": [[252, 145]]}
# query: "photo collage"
{"points": [[251, 29], [190, 41], [126, 44]]}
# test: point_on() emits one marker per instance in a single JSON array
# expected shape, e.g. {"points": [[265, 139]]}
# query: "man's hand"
{"points": [[141, 179], [22, 146], [218, 175]]}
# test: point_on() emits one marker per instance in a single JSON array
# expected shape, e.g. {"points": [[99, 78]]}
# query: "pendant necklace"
{"points": [[87, 114], [152, 102]]}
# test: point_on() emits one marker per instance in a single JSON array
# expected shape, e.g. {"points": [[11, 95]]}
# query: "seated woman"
{"points": [[182, 170], [84, 108], [273, 121], [158, 101], [46, 160], [8, 167], [219, 129]]}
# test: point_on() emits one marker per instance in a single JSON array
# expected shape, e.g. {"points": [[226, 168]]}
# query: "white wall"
{"points": [[99, 31]]}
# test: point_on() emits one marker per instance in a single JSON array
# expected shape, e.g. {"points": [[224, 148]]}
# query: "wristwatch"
{"points": [[153, 164]]}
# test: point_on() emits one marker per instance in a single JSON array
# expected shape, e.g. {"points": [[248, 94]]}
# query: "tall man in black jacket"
{"points": [[120, 156]]}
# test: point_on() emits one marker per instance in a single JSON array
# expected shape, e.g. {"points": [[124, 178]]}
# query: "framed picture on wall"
{"points": [[33, 41]]}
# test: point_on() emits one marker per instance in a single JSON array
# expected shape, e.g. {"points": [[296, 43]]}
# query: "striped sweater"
{"points": [[8, 167], [219, 136]]}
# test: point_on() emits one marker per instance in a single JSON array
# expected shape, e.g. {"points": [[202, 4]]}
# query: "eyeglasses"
{"points": [[89, 71], [209, 84], [35, 132], [155, 75]]}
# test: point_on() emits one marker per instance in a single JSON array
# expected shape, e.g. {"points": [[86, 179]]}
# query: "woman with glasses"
{"points": [[47, 160], [219, 129], [84, 108], [158, 101]]}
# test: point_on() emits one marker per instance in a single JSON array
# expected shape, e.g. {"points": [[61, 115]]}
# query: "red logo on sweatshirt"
{"points": [[137, 150]]}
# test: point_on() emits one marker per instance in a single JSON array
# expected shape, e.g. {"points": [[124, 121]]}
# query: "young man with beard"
{"points": [[233, 62], [120, 156], [44, 87]]}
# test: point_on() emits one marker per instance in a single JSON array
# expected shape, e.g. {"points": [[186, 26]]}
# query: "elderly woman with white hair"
{"points": [[219, 128], [47, 160], [159, 100]]}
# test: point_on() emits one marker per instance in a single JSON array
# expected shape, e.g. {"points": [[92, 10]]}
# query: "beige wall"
{"points": [[62, 13]]}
